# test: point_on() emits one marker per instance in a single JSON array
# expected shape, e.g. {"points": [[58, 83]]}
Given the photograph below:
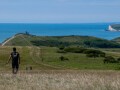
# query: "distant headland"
{"points": [[114, 27]]}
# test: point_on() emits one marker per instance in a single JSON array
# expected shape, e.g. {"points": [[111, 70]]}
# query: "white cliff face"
{"points": [[111, 29]]}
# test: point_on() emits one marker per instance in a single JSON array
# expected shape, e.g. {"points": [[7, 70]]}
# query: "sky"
{"points": [[59, 11]]}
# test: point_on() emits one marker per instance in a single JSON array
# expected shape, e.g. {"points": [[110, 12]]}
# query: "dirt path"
{"points": [[8, 40]]}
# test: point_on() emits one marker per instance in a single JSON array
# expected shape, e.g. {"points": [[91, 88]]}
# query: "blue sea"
{"points": [[85, 29]]}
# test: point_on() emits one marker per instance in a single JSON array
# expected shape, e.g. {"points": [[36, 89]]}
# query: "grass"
{"points": [[77, 61], [26, 58], [32, 56], [61, 80], [53, 74]]}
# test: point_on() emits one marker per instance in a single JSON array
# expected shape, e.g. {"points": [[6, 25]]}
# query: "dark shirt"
{"points": [[15, 57]]}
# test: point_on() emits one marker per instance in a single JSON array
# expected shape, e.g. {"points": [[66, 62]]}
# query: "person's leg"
{"points": [[13, 68], [17, 68]]}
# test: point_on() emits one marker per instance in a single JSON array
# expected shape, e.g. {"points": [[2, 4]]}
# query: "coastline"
{"points": [[92, 29], [113, 28], [110, 28], [2, 44]]}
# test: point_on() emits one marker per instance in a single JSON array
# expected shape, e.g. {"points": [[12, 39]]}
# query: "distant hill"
{"points": [[116, 40], [114, 27], [56, 41]]}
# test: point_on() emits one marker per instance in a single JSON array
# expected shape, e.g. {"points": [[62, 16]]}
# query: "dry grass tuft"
{"points": [[61, 80]]}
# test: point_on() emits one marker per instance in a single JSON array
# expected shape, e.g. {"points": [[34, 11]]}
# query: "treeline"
{"points": [[85, 43], [50, 43], [56, 41], [102, 44]]}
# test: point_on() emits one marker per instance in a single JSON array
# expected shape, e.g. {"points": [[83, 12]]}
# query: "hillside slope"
{"points": [[116, 40], [56, 41]]}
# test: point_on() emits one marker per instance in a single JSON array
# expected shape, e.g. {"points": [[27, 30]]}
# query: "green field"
{"points": [[50, 73], [41, 52], [47, 58]]}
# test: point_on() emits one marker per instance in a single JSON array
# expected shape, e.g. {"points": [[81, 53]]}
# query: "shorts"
{"points": [[15, 65]]}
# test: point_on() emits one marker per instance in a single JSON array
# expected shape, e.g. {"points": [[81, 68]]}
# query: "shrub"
{"points": [[94, 53], [110, 59], [62, 58], [102, 54], [75, 49], [61, 47]]}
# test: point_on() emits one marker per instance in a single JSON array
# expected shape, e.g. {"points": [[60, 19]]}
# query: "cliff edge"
{"points": [[114, 27]]}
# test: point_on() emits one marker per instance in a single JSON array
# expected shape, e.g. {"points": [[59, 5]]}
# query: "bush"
{"points": [[61, 47], [110, 59], [94, 53], [102, 54], [62, 58], [75, 49]]}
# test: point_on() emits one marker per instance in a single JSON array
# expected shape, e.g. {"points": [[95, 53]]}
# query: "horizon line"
{"points": [[53, 23]]}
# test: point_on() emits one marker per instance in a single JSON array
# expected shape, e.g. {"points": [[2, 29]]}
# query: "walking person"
{"points": [[15, 57]]}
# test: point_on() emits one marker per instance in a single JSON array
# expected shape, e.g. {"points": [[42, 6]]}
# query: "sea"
{"points": [[99, 30]]}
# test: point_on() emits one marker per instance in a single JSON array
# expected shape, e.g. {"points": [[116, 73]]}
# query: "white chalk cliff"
{"points": [[114, 27], [111, 29]]}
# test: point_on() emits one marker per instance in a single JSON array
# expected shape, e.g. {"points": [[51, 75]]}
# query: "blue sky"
{"points": [[59, 11]]}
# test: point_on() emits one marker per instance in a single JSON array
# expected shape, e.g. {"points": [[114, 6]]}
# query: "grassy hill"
{"points": [[117, 40], [41, 52], [56, 41]]}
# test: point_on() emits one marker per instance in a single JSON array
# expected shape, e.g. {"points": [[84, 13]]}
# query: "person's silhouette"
{"points": [[15, 56]]}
